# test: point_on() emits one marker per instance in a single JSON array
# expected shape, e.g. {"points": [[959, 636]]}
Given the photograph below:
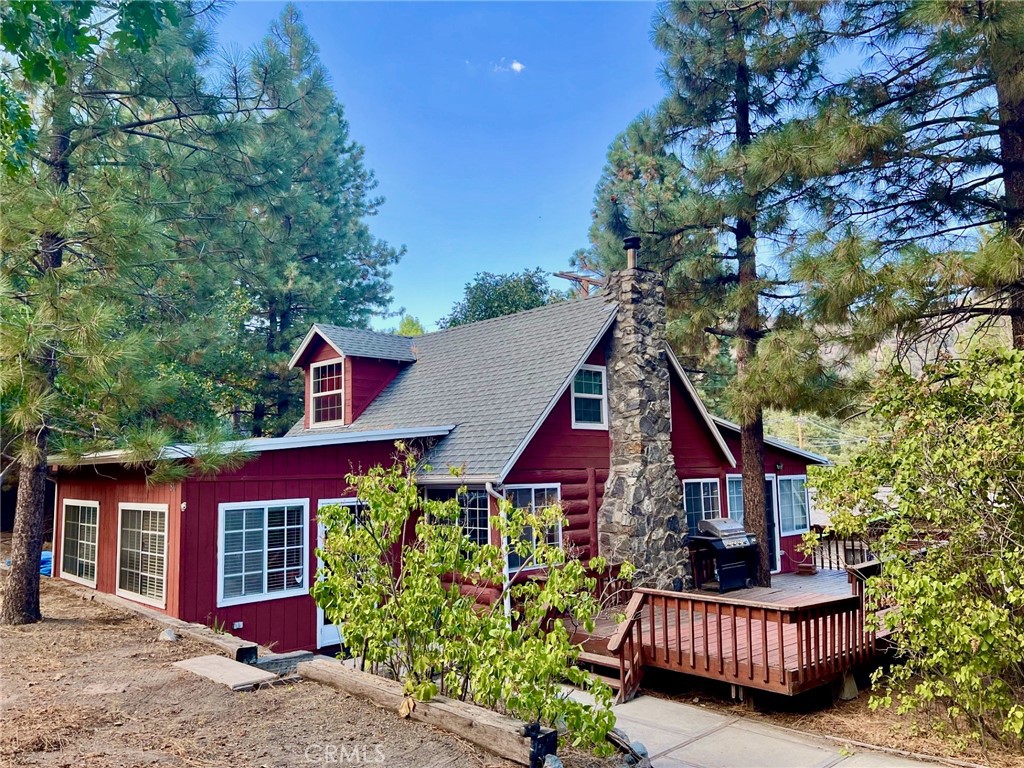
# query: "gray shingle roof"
{"points": [[360, 342], [492, 379]]}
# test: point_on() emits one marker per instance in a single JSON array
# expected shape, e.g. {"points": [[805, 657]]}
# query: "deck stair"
{"points": [[604, 667]]}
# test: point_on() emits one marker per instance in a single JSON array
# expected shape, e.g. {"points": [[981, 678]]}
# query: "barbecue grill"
{"points": [[723, 552]]}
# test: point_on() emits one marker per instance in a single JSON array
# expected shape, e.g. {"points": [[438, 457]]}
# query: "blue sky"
{"points": [[486, 124]]}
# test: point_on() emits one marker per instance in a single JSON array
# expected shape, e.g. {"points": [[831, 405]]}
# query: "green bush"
{"points": [[942, 500], [403, 581]]}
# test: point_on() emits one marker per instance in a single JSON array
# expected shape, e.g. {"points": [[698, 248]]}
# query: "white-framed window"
{"points": [[590, 398], [142, 553], [794, 508], [326, 392], [702, 502], [533, 498], [80, 527], [474, 511], [262, 550], [734, 493], [359, 506]]}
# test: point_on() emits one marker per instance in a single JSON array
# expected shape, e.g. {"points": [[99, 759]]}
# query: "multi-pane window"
{"points": [[793, 506], [589, 403], [142, 553], [474, 512], [533, 499], [700, 497], [263, 550], [78, 540], [326, 392], [734, 487]]}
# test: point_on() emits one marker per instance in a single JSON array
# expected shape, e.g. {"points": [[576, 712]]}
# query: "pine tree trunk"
{"points": [[19, 598], [1008, 69], [748, 328]]}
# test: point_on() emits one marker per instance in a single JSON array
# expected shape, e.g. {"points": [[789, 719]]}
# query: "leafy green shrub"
{"points": [[403, 582], [941, 499]]}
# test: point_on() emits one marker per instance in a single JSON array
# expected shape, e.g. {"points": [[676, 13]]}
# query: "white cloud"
{"points": [[515, 66]]}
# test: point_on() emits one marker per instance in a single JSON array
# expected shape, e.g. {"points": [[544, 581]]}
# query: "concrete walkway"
{"points": [[684, 736]]}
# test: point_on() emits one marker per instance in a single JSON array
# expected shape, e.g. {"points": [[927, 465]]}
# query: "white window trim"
{"points": [[702, 480], [474, 488], [63, 528], [603, 397], [807, 500], [335, 636], [223, 507], [314, 395], [728, 503], [504, 539], [127, 595]]}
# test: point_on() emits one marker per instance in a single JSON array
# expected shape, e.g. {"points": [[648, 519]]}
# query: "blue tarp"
{"points": [[45, 563]]}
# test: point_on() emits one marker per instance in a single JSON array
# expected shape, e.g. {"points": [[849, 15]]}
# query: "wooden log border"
{"points": [[497, 734]]}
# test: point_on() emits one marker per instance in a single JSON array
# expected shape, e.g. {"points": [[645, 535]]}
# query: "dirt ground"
{"points": [[93, 686]]}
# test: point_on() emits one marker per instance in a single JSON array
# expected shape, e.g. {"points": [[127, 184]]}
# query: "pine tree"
{"points": [[920, 158], [693, 180], [306, 253], [91, 239]]}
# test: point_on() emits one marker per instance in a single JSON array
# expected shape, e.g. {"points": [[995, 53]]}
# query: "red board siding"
{"points": [[696, 451], [306, 473], [110, 486], [578, 460], [366, 378]]}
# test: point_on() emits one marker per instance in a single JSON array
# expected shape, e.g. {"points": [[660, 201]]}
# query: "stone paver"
{"points": [[221, 669], [681, 735]]}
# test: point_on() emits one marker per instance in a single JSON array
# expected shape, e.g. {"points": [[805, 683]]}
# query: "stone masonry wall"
{"points": [[642, 518]]}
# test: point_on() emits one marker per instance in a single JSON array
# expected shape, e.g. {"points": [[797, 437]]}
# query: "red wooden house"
{"points": [[520, 403]]}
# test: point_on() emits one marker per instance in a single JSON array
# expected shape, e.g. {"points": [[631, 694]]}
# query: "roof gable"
{"points": [[357, 342], [495, 380]]}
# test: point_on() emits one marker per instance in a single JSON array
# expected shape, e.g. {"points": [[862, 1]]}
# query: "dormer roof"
{"points": [[358, 342], [495, 380]]}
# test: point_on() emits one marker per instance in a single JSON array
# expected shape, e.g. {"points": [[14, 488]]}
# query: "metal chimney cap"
{"points": [[631, 243]]}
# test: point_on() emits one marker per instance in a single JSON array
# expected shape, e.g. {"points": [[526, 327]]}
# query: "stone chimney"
{"points": [[642, 518]]}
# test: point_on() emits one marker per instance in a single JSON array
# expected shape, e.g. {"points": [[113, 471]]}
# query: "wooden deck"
{"points": [[798, 634]]}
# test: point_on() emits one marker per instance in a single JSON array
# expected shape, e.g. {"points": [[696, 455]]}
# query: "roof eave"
{"points": [[776, 443], [313, 331], [264, 444]]}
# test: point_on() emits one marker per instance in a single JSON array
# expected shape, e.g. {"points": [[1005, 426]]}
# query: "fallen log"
{"points": [[500, 735]]}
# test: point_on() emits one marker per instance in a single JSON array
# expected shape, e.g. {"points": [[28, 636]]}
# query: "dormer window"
{"points": [[328, 405], [590, 398]]}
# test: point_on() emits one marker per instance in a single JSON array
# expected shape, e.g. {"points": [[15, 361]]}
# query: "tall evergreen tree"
{"points": [[91, 239], [691, 179], [920, 160], [306, 253]]}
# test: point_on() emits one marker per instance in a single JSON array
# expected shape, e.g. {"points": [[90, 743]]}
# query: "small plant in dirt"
{"points": [[941, 501], [420, 602], [216, 623]]}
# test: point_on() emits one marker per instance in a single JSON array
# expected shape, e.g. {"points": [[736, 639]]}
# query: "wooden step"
{"points": [[599, 660], [612, 682]]}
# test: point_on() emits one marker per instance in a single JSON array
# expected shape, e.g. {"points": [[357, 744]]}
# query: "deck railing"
{"points": [[758, 645], [627, 644], [837, 554]]}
